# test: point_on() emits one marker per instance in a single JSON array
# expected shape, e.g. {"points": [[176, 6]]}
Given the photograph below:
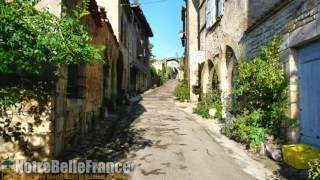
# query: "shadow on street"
{"points": [[111, 138]]}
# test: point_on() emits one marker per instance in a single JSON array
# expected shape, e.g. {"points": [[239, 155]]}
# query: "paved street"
{"points": [[162, 138], [180, 147]]}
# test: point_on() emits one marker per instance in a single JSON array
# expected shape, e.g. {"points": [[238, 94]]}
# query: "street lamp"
{"points": [[181, 34]]}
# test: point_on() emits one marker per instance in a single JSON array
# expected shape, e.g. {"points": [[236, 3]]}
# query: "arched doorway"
{"points": [[232, 71], [214, 82]]}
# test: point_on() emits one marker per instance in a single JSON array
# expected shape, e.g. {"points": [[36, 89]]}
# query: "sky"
{"points": [[164, 17]]}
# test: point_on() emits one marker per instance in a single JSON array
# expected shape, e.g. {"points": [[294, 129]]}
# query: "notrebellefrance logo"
{"points": [[71, 167], [6, 164]]}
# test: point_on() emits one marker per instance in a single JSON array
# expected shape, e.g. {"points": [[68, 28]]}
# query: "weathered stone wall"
{"points": [[297, 24], [256, 8], [36, 140], [81, 114], [225, 33], [61, 121], [192, 46], [291, 17]]}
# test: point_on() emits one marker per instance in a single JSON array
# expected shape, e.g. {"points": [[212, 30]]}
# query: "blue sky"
{"points": [[164, 17]]}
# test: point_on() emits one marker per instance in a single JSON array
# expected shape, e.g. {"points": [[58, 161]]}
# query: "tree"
{"points": [[150, 47], [31, 38]]}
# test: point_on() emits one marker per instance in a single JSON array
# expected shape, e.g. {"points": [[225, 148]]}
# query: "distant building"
{"points": [[132, 31]]}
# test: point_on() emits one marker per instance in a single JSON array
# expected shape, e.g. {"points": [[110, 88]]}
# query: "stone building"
{"points": [[58, 115], [172, 63], [140, 76], [132, 31], [229, 31]]}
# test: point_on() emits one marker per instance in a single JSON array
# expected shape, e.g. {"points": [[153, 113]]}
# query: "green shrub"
{"points": [[262, 93], [314, 169], [182, 92], [262, 85], [246, 129], [29, 39], [212, 100]]}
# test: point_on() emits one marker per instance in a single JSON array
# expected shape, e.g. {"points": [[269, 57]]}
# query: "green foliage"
{"points": [[31, 38], [314, 169], [170, 72], [182, 92], [151, 47], [29, 41], [246, 129], [212, 100], [16, 95], [153, 71], [262, 93], [262, 85], [157, 76]]}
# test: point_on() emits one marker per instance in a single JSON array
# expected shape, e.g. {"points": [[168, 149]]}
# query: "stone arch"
{"points": [[232, 71], [209, 75]]}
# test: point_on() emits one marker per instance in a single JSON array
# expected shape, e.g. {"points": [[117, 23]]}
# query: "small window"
{"points": [[75, 83], [209, 20], [220, 8]]}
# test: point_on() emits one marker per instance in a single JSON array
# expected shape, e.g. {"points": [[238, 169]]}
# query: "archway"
{"points": [[209, 76], [232, 71]]}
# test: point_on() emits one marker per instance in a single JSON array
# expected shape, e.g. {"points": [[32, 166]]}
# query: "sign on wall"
{"points": [[198, 56]]}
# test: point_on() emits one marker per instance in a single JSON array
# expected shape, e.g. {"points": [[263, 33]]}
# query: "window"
{"points": [[75, 82], [220, 8], [209, 20]]}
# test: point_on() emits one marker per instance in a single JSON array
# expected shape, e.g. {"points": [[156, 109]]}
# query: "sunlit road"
{"points": [[179, 147]]}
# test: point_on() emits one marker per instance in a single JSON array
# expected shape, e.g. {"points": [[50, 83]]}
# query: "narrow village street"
{"points": [[164, 141], [180, 147], [159, 89]]}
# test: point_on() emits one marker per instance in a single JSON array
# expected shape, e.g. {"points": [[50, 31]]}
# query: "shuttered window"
{"points": [[209, 20], [220, 8]]}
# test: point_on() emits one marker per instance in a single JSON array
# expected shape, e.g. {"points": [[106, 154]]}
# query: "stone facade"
{"points": [[297, 22], [237, 30], [74, 102], [191, 43], [132, 31]]}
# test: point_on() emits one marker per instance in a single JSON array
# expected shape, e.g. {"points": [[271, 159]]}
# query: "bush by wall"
{"points": [[212, 100], [182, 92], [262, 92], [314, 170], [246, 129]]}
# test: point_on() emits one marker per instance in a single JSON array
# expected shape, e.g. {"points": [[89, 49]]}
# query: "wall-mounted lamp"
{"points": [[181, 34]]}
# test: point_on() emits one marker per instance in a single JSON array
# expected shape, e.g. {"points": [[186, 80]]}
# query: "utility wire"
{"points": [[145, 3], [153, 2]]}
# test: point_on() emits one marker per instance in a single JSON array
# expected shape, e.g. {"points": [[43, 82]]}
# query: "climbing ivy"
{"points": [[31, 38]]}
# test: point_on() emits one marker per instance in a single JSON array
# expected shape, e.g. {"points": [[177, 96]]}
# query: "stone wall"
{"points": [[81, 114], [286, 20], [57, 124], [225, 34], [192, 46], [297, 23], [27, 127]]}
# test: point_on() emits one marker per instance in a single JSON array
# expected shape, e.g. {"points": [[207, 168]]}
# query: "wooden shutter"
{"points": [[220, 8], [209, 21]]}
